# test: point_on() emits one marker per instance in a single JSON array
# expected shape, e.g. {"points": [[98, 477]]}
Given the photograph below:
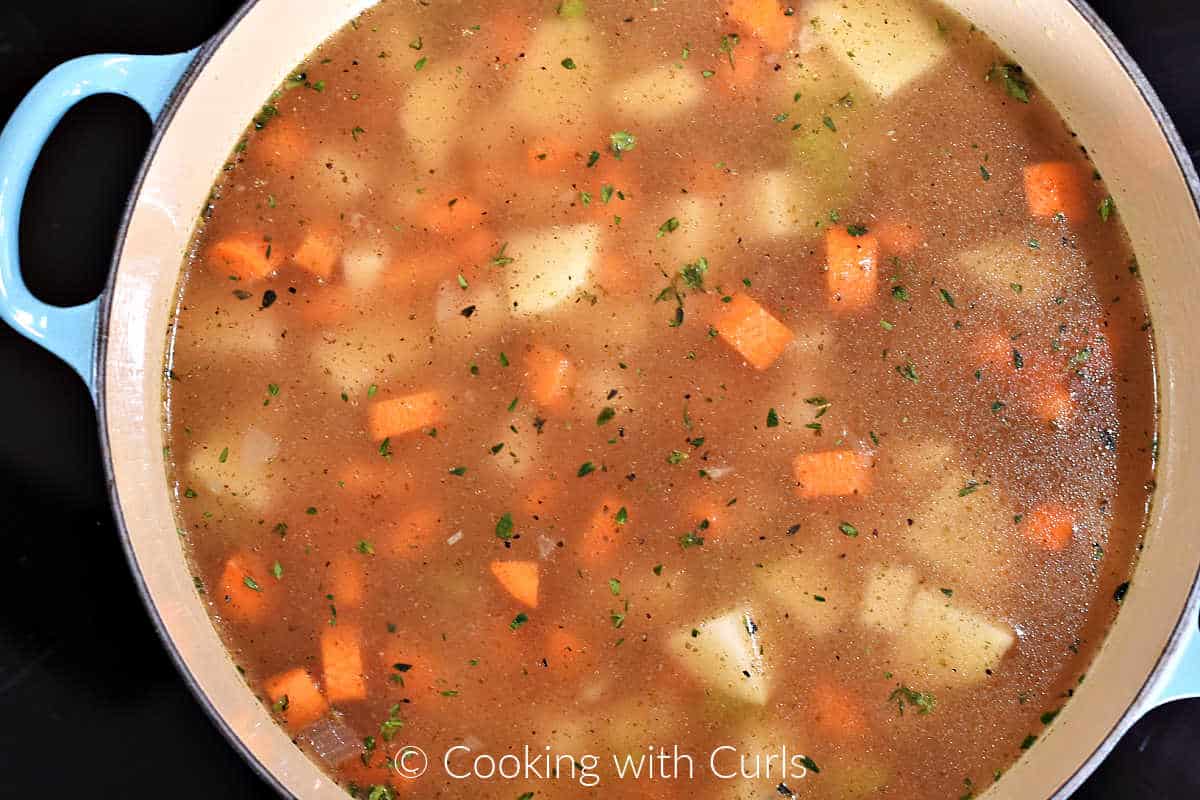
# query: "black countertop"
{"points": [[90, 705]]}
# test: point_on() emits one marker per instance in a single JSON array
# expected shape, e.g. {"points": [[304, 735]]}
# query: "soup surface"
{"points": [[759, 396]]}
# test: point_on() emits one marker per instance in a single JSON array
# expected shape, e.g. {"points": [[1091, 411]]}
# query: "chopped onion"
{"points": [[331, 740], [546, 546], [717, 473], [455, 538]]}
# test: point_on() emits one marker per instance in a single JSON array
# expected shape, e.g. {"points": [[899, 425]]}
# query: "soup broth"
{"points": [[758, 396]]}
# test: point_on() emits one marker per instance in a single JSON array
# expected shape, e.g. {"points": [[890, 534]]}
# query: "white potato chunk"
{"points": [[725, 656], [436, 107], [549, 266], [781, 203], [947, 645], [811, 589], [964, 536], [546, 97], [657, 95], [244, 474], [887, 43], [362, 265], [886, 596], [353, 358], [1000, 266], [230, 335]]}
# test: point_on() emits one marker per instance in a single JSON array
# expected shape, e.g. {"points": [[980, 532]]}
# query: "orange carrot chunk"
{"points": [[837, 713], [832, 473], [295, 696], [1054, 187], [414, 532], [764, 19], [341, 658], [346, 581], [318, 254], [550, 376], [453, 214], [1050, 525], [402, 415], [565, 651], [241, 590], [244, 257], [853, 269], [519, 578], [751, 330], [603, 532]]}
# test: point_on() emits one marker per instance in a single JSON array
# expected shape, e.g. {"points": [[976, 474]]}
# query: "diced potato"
{"points": [[962, 535], [657, 95], [545, 96], [549, 266], [352, 358], [946, 645], [335, 173], [811, 589], [437, 104], [231, 334], [780, 203], [362, 265], [888, 44], [886, 597], [725, 656], [856, 779], [700, 233], [244, 473], [1012, 271]]}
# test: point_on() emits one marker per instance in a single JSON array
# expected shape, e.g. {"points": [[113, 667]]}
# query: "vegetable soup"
{"points": [[662, 400]]}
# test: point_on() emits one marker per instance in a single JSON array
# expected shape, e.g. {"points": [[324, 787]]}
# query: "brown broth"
{"points": [[425, 143]]}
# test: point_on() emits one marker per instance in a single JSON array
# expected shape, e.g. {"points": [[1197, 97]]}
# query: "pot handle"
{"points": [[69, 333], [1182, 677]]}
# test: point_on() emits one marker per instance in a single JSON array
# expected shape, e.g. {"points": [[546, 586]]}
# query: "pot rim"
{"points": [[1136, 709]]}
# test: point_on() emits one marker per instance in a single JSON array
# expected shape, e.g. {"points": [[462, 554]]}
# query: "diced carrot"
{"points": [[617, 276], [751, 330], [1053, 403], [743, 75], [318, 254], [603, 532], [341, 659], [453, 214], [541, 498], [709, 517], [328, 305], [565, 652], [505, 37], [853, 269], [550, 377], [898, 238], [474, 247], [281, 143], [766, 20], [243, 583], [548, 155], [832, 473], [243, 257], [414, 532], [1056, 186], [519, 578], [1050, 526], [836, 711], [401, 415], [296, 697], [345, 581]]}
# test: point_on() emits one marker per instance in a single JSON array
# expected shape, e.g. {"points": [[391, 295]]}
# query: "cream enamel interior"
{"points": [[1054, 42]]}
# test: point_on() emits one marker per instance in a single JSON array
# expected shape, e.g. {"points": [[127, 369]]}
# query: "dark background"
{"points": [[90, 705]]}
